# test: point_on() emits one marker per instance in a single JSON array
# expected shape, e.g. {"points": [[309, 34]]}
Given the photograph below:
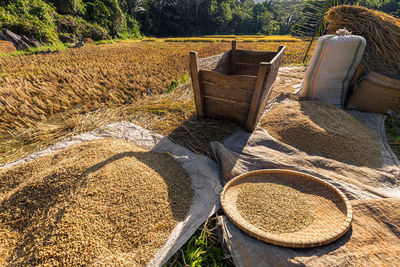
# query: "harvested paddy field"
{"points": [[322, 129], [106, 202], [33, 88]]}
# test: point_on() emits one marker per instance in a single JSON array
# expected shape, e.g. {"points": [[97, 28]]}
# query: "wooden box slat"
{"points": [[226, 109], [242, 82], [224, 69], [215, 62], [228, 93], [245, 69], [251, 57]]}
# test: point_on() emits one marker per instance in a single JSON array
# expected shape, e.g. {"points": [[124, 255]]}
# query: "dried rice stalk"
{"points": [[381, 31]]}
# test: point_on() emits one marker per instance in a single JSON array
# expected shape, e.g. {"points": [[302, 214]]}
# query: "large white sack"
{"points": [[332, 66]]}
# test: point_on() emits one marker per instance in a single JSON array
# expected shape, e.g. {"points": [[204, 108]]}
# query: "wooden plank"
{"points": [[234, 43], [224, 92], [223, 69], [214, 62], [356, 77], [262, 72], [243, 82], [268, 85], [218, 108], [251, 57], [194, 71], [245, 69]]}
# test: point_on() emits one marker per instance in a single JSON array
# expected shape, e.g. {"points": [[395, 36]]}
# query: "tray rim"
{"points": [[271, 238]]}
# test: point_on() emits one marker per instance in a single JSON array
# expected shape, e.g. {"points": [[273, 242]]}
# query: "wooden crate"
{"points": [[234, 85]]}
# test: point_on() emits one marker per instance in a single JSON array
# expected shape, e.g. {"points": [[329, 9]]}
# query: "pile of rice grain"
{"points": [[105, 202], [322, 129]]}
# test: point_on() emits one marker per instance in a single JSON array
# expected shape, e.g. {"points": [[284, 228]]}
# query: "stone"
{"points": [[20, 42], [79, 45]]}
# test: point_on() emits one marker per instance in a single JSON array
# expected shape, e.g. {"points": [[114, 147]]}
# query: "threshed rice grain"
{"points": [[105, 202]]}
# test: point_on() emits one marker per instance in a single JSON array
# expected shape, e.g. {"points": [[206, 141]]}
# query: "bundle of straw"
{"points": [[381, 31]]}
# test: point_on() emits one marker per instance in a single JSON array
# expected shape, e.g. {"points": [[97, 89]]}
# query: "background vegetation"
{"points": [[52, 21]]}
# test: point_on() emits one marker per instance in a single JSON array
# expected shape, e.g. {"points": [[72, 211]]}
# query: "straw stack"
{"points": [[381, 31]]}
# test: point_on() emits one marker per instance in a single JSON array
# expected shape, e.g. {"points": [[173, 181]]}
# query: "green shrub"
{"points": [[73, 7], [71, 27], [76, 19], [106, 13], [32, 18], [97, 12]]}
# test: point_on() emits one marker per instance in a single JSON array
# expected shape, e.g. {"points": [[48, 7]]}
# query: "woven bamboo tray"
{"points": [[328, 225]]}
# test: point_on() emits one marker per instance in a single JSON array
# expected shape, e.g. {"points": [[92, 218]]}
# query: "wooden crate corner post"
{"points": [[251, 123], [234, 43], [194, 71]]}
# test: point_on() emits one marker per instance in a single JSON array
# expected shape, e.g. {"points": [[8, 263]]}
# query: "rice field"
{"points": [[36, 87], [228, 38]]}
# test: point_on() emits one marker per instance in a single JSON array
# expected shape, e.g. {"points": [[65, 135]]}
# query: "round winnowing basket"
{"points": [[332, 213]]}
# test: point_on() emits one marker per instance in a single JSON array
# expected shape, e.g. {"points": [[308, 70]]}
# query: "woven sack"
{"points": [[377, 93], [332, 66]]}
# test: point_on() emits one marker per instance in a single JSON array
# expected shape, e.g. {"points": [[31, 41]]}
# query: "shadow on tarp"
{"points": [[253, 252], [197, 134]]}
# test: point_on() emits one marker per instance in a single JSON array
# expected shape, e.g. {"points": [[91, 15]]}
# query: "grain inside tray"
{"points": [[324, 130], [274, 208], [287, 207], [105, 202]]}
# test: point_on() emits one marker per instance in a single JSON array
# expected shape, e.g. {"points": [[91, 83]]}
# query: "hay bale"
{"points": [[88, 41], [7, 47], [105, 202], [322, 129], [381, 31]]}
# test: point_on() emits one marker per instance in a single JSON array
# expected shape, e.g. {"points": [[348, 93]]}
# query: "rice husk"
{"points": [[324, 130], [380, 30], [105, 202]]}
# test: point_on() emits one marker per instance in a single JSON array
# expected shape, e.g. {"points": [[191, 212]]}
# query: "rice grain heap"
{"points": [[381, 31], [324, 130], [105, 202]]}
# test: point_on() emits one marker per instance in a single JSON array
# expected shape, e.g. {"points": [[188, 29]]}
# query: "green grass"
{"points": [[393, 133], [202, 249], [35, 50]]}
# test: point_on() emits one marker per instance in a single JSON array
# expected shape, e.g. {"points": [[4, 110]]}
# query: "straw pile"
{"points": [[381, 31], [7, 47], [274, 208], [322, 129], [106, 202], [88, 40]]}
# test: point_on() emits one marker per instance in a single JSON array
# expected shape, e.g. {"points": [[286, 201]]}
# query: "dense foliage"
{"points": [[71, 20]]}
